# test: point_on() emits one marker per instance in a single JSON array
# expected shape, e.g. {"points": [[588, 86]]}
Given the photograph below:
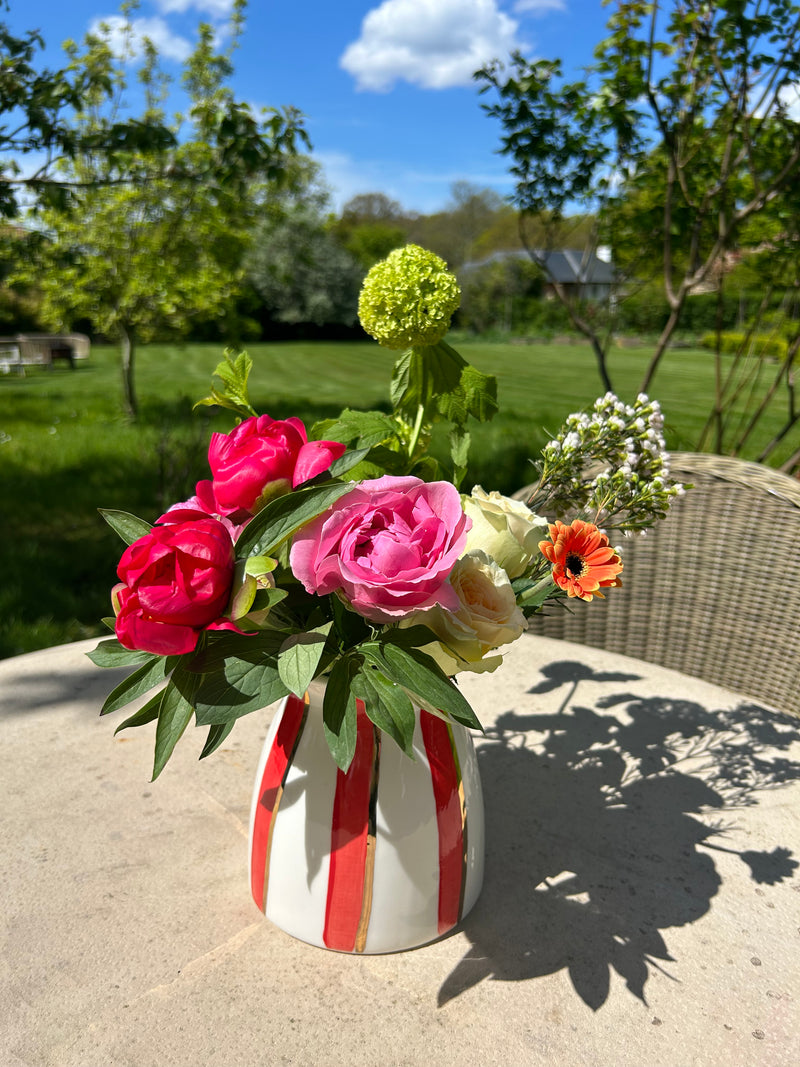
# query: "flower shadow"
{"points": [[599, 834]]}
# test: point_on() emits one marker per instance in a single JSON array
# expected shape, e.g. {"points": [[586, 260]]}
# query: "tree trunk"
{"points": [[127, 354], [661, 347], [588, 332], [580, 324]]}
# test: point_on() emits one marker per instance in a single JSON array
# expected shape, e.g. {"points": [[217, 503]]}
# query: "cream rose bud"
{"points": [[506, 529], [487, 617]]}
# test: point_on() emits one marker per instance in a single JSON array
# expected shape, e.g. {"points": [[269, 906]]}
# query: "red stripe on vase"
{"points": [[352, 846], [448, 794], [280, 757]]}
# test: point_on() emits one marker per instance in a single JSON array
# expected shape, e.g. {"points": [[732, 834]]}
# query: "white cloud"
{"points": [[435, 44], [215, 8], [539, 7], [126, 38], [790, 97]]}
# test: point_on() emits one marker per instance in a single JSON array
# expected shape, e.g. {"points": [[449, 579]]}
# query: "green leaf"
{"points": [[233, 372], [299, 657], [532, 594], [410, 636], [139, 682], [422, 678], [459, 452], [346, 462], [112, 654], [216, 735], [388, 706], [174, 713], [366, 428], [260, 565], [405, 391], [146, 713], [438, 373], [475, 395], [428, 469], [242, 600], [380, 460], [414, 380], [480, 393], [339, 713], [243, 686], [285, 515], [349, 627], [129, 527], [267, 598], [230, 646], [442, 367]]}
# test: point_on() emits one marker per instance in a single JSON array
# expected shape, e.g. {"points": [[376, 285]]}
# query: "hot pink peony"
{"points": [[204, 505], [263, 458], [388, 547], [176, 581]]}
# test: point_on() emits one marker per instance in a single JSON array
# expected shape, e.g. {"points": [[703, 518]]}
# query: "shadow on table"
{"points": [[27, 692], [594, 840]]}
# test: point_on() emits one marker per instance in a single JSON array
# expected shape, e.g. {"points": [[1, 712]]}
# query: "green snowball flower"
{"points": [[408, 299]]}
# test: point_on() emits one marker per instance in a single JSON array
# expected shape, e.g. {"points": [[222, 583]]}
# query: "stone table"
{"points": [[641, 903]]}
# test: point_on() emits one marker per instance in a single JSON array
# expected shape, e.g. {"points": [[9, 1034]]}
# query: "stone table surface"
{"points": [[641, 903]]}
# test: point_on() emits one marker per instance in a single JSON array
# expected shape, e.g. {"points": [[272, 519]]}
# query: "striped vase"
{"points": [[383, 858]]}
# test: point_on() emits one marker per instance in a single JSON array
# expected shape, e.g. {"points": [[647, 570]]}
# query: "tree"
{"points": [[160, 236], [502, 293], [37, 133], [296, 264], [688, 101], [370, 226], [453, 233]]}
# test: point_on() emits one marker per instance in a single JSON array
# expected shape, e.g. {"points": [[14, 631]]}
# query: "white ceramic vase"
{"points": [[386, 857]]}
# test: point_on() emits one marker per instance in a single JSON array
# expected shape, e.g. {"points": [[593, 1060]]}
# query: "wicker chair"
{"points": [[712, 589]]}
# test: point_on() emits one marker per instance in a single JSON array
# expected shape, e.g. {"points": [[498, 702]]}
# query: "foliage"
{"points": [[454, 232], [296, 264], [503, 294], [159, 235], [370, 227], [645, 310], [39, 132], [762, 345], [679, 135]]}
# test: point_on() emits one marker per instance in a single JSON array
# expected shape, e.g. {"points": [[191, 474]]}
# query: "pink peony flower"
{"points": [[388, 547], [263, 458], [176, 581]]}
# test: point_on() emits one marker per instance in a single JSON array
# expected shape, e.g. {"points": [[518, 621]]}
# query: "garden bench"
{"points": [[10, 358], [39, 349]]}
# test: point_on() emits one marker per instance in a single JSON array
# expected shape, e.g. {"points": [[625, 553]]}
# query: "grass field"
{"points": [[66, 449]]}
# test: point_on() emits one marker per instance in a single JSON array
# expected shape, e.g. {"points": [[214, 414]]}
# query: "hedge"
{"points": [[760, 344]]}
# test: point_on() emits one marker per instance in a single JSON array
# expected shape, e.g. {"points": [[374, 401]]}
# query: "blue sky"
{"points": [[385, 86]]}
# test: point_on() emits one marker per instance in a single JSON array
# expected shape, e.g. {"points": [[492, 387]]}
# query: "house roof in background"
{"points": [[568, 266]]}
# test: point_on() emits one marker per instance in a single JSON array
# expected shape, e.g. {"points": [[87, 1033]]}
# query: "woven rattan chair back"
{"points": [[712, 589]]}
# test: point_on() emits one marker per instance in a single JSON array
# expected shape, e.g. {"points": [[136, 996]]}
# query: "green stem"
{"points": [[533, 592], [412, 446]]}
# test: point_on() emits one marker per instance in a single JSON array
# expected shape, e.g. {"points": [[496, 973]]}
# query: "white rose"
{"points": [[506, 529], [488, 617]]}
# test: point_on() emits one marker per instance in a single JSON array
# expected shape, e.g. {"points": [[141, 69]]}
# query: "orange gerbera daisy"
{"points": [[583, 561]]}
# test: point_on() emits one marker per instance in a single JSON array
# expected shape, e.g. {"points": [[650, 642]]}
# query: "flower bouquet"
{"points": [[349, 554]]}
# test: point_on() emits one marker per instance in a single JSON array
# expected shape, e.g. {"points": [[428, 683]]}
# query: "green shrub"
{"points": [[646, 311], [762, 345]]}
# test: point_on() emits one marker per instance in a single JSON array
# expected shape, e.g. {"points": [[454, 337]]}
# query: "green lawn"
{"points": [[66, 449]]}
